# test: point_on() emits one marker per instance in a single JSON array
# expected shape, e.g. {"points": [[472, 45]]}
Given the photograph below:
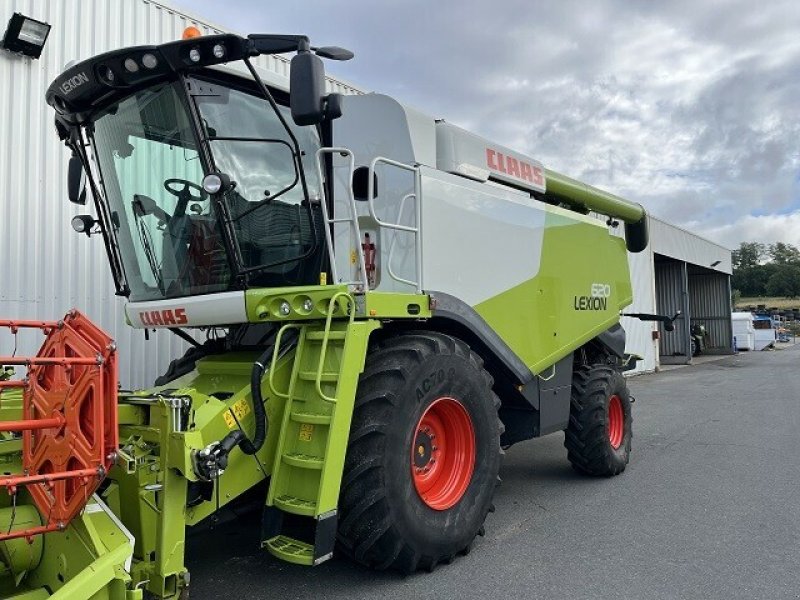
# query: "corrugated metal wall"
{"points": [[46, 268], [710, 304], [671, 297]]}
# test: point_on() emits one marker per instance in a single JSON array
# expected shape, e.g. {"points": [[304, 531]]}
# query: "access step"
{"points": [[312, 376], [303, 461], [296, 506], [289, 537], [320, 335], [311, 418], [290, 550]]}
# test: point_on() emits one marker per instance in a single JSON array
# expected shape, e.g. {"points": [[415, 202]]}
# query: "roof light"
{"points": [[219, 50], [149, 61], [25, 35], [107, 73], [191, 32], [131, 66], [214, 183], [194, 55], [83, 224]]}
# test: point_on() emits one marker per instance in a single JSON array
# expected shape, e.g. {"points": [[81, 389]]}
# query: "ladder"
{"points": [[312, 443]]}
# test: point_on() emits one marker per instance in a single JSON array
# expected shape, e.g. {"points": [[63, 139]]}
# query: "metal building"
{"points": [[45, 267], [679, 271]]}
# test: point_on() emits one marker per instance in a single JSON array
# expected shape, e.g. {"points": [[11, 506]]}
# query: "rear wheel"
{"points": [[598, 438], [423, 456]]}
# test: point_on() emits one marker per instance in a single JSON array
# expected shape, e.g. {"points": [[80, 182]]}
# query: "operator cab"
{"points": [[150, 124]]}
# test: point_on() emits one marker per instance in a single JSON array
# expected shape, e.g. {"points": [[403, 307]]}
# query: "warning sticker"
{"points": [[241, 409], [305, 432]]}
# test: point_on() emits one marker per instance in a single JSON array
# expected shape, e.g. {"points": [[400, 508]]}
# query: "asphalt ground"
{"points": [[709, 507]]}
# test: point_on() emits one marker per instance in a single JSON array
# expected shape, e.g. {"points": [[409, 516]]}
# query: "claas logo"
{"points": [[514, 167], [167, 317]]}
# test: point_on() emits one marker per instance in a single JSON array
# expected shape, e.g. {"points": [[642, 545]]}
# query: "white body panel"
{"points": [[193, 311], [462, 152], [477, 240], [374, 126]]}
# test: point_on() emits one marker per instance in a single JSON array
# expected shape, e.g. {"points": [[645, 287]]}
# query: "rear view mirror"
{"points": [[76, 181], [307, 88]]}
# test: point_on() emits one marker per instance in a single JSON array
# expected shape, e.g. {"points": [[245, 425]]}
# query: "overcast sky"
{"points": [[691, 107]]}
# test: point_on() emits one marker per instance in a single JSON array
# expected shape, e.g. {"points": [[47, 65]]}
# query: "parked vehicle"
{"points": [[388, 302], [743, 330], [765, 332]]}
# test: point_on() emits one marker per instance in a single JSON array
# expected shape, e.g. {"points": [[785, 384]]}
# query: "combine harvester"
{"points": [[388, 301]]}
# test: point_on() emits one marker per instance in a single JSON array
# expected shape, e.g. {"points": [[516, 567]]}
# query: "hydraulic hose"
{"points": [[238, 437], [256, 375]]}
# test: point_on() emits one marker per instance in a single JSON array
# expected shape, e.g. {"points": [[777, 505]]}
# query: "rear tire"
{"points": [[598, 438], [407, 503]]}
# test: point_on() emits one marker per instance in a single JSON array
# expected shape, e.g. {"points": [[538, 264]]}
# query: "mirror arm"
{"points": [[666, 320]]}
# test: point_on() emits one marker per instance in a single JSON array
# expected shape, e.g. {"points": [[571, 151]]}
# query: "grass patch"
{"points": [[770, 302]]}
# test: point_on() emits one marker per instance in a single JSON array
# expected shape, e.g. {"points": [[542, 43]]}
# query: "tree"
{"points": [[752, 281], [749, 254], [785, 281], [783, 254], [736, 297]]}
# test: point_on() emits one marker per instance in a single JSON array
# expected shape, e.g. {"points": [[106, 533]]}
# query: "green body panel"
{"points": [[542, 319], [157, 454], [262, 305], [87, 560]]}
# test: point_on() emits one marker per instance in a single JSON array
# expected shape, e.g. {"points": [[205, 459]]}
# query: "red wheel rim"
{"points": [[443, 453], [616, 421]]}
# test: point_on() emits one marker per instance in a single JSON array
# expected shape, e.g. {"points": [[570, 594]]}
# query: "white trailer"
{"points": [[743, 330]]}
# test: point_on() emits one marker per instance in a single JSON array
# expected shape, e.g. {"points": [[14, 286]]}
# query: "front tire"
{"points": [[598, 438], [423, 457]]}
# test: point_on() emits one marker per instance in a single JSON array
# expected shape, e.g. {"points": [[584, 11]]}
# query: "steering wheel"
{"points": [[183, 193]]}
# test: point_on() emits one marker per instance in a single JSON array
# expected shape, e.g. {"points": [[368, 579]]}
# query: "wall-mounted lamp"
{"points": [[25, 35], [715, 263]]}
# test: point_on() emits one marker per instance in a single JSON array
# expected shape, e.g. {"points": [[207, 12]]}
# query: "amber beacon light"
{"points": [[191, 32]]}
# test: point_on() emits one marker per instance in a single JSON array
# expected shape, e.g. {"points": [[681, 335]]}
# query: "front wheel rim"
{"points": [[443, 453], [616, 421]]}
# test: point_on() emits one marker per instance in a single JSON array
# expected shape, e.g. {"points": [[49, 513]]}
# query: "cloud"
{"points": [[688, 107], [765, 228]]}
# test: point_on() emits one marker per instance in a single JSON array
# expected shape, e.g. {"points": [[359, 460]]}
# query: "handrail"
{"points": [[353, 219], [396, 226], [389, 269], [325, 339], [275, 351]]}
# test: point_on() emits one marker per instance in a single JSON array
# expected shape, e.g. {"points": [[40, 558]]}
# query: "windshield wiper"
{"points": [[147, 246]]}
